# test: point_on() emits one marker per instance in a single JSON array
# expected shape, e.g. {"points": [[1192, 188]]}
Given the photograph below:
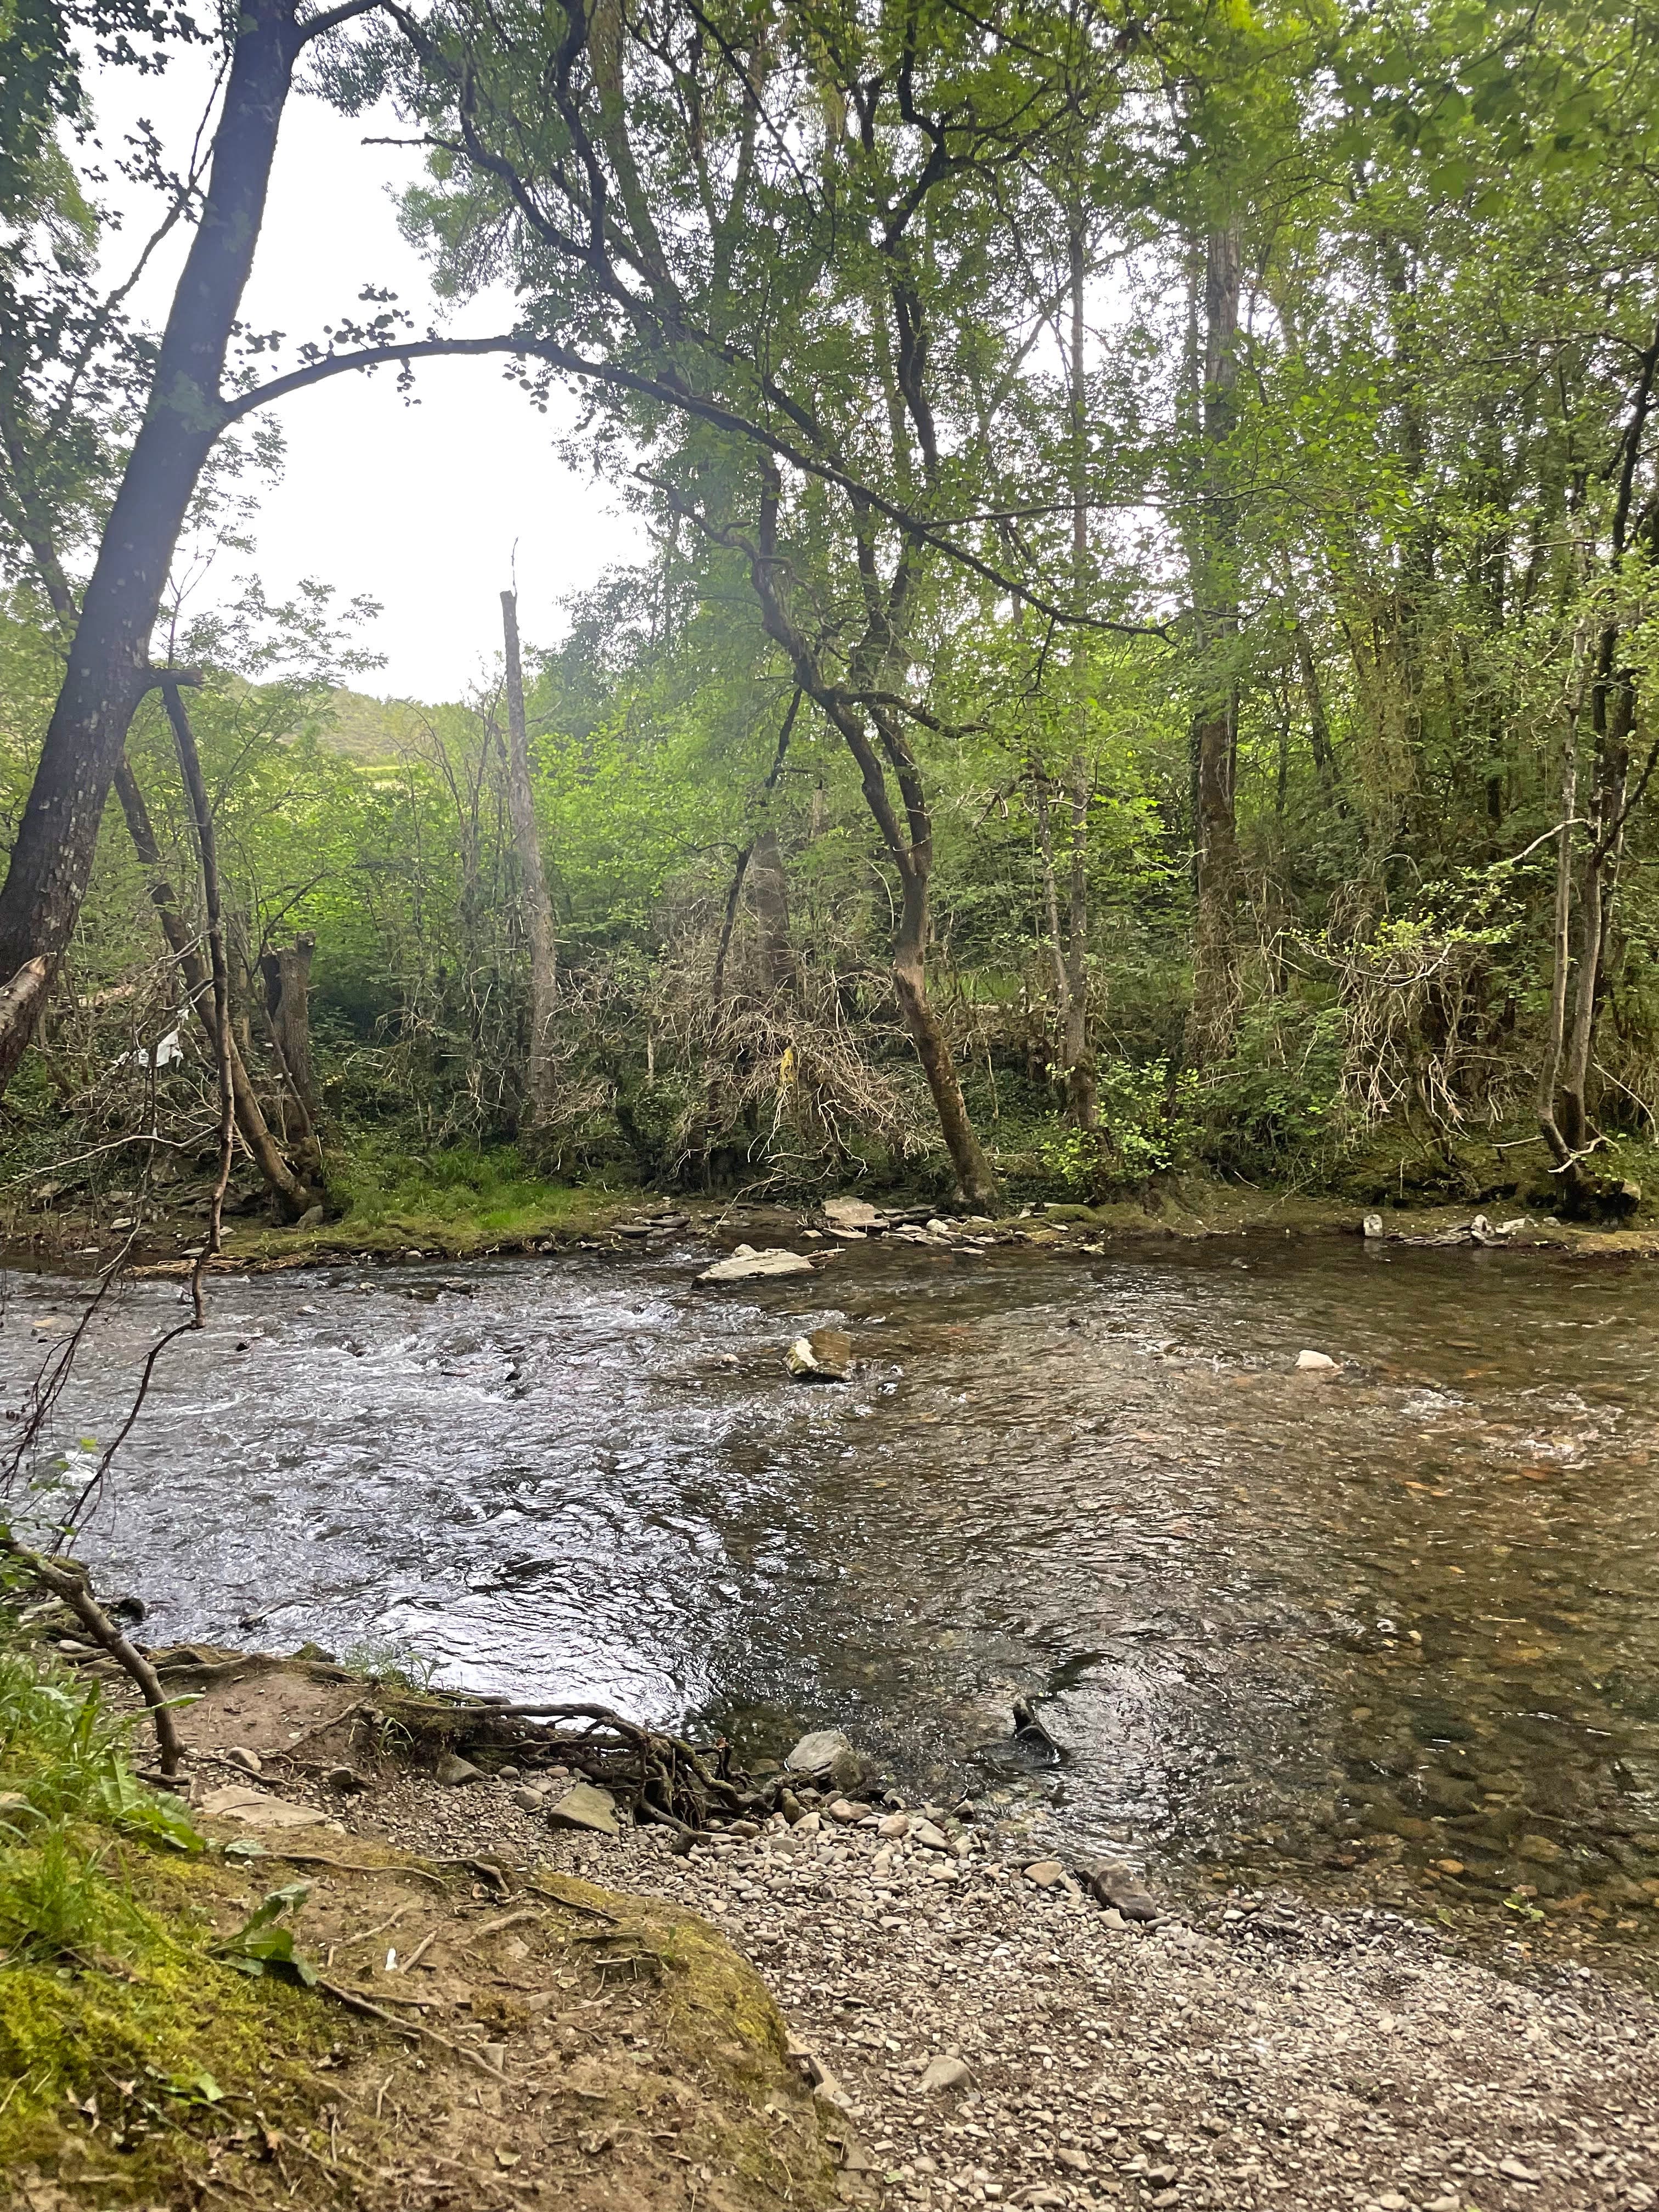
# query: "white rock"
{"points": [[945, 2072], [1316, 1362], [747, 1267], [815, 1754]]}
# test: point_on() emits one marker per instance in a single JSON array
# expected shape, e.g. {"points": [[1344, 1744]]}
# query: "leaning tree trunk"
{"points": [[541, 1073], [107, 671], [1214, 1012]]}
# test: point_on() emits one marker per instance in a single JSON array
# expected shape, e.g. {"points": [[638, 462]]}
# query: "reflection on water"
{"points": [[1401, 1618]]}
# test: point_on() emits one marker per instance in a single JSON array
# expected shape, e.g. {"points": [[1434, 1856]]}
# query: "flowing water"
{"points": [[1398, 1623]]}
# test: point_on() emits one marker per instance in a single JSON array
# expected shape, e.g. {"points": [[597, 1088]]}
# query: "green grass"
{"points": [[456, 1200], [119, 2024]]}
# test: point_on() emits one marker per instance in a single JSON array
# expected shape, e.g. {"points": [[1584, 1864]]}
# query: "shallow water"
{"points": [[1403, 1617]]}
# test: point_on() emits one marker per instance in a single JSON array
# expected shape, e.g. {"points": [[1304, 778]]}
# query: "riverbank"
{"points": [[195, 2011], [994, 2037], [546, 1218]]}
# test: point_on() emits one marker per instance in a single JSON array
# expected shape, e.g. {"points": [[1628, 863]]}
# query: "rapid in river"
{"points": [[1398, 1621]]}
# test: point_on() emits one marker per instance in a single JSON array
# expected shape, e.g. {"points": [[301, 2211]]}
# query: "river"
{"points": [[1395, 1626]]}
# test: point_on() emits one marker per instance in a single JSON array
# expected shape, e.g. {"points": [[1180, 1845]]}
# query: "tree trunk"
{"points": [[107, 670], [1212, 1021], [1081, 1098], [290, 1194], [768, 889], [287, 976], [909, 846], [541, 1075], [206, 846], [974, 1176]]}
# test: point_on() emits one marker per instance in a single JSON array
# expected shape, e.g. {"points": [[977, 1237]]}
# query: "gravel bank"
{"points": [[1251, 2052]]}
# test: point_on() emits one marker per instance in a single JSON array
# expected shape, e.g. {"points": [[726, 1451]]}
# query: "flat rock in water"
{"points": [[815, 1754], [747, 1267], [587, 1808], [1315, 1363], [258, 1809], [852, 1213], [825, 1356]]}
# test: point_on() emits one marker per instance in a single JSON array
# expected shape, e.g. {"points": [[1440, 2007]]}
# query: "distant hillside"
{"points": [[368, 731]]}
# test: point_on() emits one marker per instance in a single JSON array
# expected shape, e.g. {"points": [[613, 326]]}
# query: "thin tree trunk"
{"points": [[107, 670], [290, 1194], [1051, 903], [541, 1074], [1561, 1151], [1081, 1098], [286, 974], [207, 845], [1210, 1024]]}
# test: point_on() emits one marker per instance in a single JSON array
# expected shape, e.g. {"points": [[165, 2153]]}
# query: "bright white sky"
{"points": [[418, 507]]}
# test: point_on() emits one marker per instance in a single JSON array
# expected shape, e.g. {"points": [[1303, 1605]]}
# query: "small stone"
{"points": [[249, 1761], [894, 1824], [944, 2073], [346, 1780], [1043, 1873], [455, 1773], [1543, 1849], [528, 1800], [825, 1356], [1316, 1362], [311, 1219], [586, 1807], [814, 1752], [845, 1811], [808, 1824], [1161, 2176], [1515, 2169], [1392, 2200], [930, 1837], [1075, 2161], [508, 1774]]}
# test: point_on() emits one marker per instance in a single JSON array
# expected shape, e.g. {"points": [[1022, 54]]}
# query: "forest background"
{"points": [[1143, 661]]}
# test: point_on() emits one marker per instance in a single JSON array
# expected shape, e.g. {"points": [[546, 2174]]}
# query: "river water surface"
{"points": [[1398, 1623]]}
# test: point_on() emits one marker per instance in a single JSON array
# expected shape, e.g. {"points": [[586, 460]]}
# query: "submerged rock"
{"points": [[748, 1266], [1316, 1362], [825, 1356]]}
